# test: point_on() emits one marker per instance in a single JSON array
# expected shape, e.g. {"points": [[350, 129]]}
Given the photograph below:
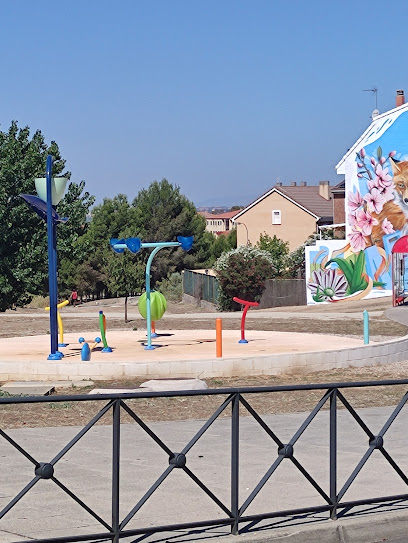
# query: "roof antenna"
{"points": [[374, 90]]}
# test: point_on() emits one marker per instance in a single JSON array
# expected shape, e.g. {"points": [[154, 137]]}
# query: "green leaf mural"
{"points": [[353, 268]]}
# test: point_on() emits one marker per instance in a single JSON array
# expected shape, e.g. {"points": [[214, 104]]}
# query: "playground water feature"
{"points": [[192, 355]]}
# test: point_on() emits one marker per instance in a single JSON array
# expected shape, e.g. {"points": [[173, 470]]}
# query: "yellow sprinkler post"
{"points": [[60, 327]]}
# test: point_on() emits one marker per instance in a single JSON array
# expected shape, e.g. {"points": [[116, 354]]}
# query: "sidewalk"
{"points": [[86, 470]]}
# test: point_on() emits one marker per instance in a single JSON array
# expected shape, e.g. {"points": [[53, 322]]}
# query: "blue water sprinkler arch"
{"points": [[135, 245]]}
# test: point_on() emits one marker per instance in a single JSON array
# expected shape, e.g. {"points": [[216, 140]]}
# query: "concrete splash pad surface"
{"points": [[173, 345], [179, 354]]}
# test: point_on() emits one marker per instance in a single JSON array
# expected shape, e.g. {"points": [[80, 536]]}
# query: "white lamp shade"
{"points": [[58, 185]]}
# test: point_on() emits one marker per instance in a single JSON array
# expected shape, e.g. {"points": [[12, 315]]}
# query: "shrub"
{"points": [[39, 302], [242, 272], [171, 287]]}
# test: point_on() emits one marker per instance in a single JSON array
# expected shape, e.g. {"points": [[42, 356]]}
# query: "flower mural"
{"points": [[365, 210], [327, 284], [348, 280], [375, 171]]}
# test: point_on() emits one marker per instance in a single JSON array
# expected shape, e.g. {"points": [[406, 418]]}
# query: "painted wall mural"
{"points": [[376, 200]]}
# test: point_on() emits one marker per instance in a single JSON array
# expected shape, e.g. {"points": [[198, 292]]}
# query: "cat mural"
{"points": [[394, 212]]}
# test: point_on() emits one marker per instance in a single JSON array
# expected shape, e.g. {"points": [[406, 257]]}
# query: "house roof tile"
{"points": [[307, 197], [310, 198]]}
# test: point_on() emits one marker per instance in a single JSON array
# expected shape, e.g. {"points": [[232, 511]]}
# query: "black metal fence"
{"points": [[200, 286], [233, 512]]}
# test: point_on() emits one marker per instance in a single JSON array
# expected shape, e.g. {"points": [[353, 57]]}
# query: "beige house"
{"points": [[219, 223], [290, 213]]}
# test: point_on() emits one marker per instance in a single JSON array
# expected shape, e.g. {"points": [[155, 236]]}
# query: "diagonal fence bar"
{"points": [[20, 495], [81, 503], [286, 451], [207, 491], [80, 434], [19, 448], [144, 426], [376, 442]]}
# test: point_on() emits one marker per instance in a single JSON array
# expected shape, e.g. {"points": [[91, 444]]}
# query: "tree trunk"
{"points": [[126, 314]]}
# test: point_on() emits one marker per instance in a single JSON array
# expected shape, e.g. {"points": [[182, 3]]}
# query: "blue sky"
{"points": [[221, 97]]}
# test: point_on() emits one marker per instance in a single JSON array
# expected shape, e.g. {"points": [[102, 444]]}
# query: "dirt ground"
{"points": [[31, 322]]}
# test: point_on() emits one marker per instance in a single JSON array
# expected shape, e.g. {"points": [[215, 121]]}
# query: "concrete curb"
{"points": [[372, 529]]}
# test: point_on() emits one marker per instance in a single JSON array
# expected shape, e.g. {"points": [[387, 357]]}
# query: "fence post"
{"points": [[333, 454], [235, 463], [115, 470]]}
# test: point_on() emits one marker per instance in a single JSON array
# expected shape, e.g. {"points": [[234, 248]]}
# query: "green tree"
{"points": [[158, 213], [125, 275], [296, 259], [162, 214], [90, 278], [114, 218], [278, 249], [232, 239], [242, 272], [73, 249], [222, 244], [23, 238]]}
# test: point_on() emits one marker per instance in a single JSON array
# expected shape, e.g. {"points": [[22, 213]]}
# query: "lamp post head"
{"points": [[40, 207], [58, 185]]}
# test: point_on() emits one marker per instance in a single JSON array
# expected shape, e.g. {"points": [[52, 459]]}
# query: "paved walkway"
{"points": [[263, 314], [398, 314], [86, 470]]}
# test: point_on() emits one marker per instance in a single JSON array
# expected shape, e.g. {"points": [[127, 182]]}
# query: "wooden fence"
{"points": [[283, 292], [277, 293]]}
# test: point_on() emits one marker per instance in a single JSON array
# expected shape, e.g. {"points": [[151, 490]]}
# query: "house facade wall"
{"points": [[216, 225], [376, 173], [296, 224]]}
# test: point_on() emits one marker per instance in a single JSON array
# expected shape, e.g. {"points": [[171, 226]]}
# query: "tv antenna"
{"points": [[374, 90]]}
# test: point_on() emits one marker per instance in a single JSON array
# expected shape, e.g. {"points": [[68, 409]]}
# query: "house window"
{"points": [[276, 216]]}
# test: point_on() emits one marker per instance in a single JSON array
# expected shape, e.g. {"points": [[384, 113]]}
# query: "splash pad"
{"points": [[176, 355]]}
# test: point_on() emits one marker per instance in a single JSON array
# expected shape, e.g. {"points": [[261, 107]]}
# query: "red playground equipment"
{"points": [[400, 271], [246, 305]]}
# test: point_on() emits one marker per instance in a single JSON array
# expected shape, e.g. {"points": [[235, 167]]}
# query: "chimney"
{"points": [[293, 183], [324, 189], [400, 99], [303, 183]]}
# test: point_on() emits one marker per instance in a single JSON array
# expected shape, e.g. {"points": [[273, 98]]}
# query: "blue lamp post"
{"points": [[52, 265], [44, 207], [134, 245]]}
